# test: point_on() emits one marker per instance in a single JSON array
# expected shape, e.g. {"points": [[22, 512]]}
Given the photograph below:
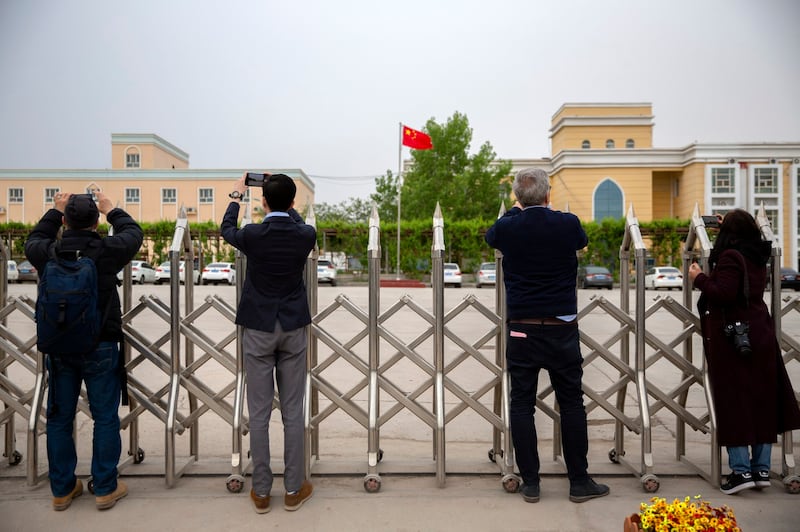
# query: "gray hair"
{"points": [[531, 186]]}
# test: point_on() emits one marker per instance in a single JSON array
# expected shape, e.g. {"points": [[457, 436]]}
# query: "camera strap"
{"points": [[745, 284]]}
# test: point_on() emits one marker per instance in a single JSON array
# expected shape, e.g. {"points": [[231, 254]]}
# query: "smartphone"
{"points": [[711, 221], [253, 179]]}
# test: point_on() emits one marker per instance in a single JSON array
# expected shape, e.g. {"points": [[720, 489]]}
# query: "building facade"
{"points": [[603, 161], [149, 177]]}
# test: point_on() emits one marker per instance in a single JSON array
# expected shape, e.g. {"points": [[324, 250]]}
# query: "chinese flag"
{"points": [[416, 139]]}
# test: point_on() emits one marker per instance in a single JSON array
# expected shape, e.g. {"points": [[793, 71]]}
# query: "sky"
{"points": [[323, 85]]}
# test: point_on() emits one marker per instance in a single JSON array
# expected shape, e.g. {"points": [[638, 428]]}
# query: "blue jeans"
{"points": [[100, 371], [556, 349], [740, 462]]}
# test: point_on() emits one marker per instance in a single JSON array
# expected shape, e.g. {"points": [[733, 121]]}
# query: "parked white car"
{"points": [[486, 274], [667, 277], [163, 273], [219, 272], [326, 272], [452, 274], [12, 273], [141, 272]]}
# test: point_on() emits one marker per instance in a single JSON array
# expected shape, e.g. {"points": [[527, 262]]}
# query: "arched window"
{"points": [[585, 145], [132, 159], [630, 144], [607, 201], [610, 144]]}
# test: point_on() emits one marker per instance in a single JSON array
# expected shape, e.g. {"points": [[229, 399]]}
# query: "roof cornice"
{"points": [[149, 138], [597, 121], [676, 157]]}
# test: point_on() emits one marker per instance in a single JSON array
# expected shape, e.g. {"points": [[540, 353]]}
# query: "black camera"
{"points": [[737, 332], [711, 222]]}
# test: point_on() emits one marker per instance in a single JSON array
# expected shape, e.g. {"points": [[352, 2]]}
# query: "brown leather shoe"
{"points": [[104, 502], [62, 503], [293, 502], [261, 503]]}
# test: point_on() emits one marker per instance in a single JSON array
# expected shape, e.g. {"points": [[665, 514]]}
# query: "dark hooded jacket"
{"points": [[112, 254], [753, 396]]}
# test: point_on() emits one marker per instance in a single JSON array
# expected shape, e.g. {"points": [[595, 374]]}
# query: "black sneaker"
{"points": [[761, 479], [737, 482], [530, 492], [587, 490]]}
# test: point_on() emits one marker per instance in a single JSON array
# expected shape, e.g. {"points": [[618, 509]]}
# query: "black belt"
{"points": [[542, 321]]}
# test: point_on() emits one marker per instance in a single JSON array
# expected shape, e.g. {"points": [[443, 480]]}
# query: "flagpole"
{"points": [[399, 188]]}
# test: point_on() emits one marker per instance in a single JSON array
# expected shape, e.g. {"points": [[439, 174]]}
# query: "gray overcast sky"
{"points": [[322, 85]]}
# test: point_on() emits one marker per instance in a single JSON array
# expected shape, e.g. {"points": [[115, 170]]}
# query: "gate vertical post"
{"points": [[787, 447], [9, 425], [698, 233], [633, 238], [437, 282], [372, 480], [311, 407], [181, 241], [625, 344], [236, 479]]}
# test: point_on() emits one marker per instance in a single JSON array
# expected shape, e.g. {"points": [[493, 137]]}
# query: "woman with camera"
{"points": [[753, 397]]}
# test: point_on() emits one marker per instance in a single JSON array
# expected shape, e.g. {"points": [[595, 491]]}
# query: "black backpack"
{"points": [[68, 322]]}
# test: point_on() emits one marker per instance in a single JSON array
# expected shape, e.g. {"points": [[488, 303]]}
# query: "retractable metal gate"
{"points": [[190, 364]]}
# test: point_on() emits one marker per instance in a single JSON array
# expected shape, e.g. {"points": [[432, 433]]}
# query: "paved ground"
{"points": [[409, 498], [404, 504]]}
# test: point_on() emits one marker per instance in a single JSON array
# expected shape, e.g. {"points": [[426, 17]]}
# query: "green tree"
{"points": [[466, 186], [352, 210], [385, 196]]}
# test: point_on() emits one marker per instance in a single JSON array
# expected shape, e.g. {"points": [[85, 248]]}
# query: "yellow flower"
{"points": [[685, 515]]}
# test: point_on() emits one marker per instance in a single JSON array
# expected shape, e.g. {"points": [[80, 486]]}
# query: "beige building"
{"points": [[149, 177], [603, 161]]}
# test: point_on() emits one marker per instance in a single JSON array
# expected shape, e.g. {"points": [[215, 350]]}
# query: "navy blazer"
{"points": [[274, 288]]}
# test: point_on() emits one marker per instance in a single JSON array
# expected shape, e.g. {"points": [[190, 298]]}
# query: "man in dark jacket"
{"points": [[100, 369], [540, 270], [273, 312]]}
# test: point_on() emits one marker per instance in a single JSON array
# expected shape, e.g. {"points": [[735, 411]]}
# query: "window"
{"points": [[133, 195], [610, 144], [50, 194], [630, 144], [169, 195], [723, 180], [585, 145], [132, 159], [765, 180], [15, 195], [607, 201], [206, 195], [772, 216]]}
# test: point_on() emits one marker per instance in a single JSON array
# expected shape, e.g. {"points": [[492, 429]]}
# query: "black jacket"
{"points": [[113, 254], [274, 289], [540, 265]]}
